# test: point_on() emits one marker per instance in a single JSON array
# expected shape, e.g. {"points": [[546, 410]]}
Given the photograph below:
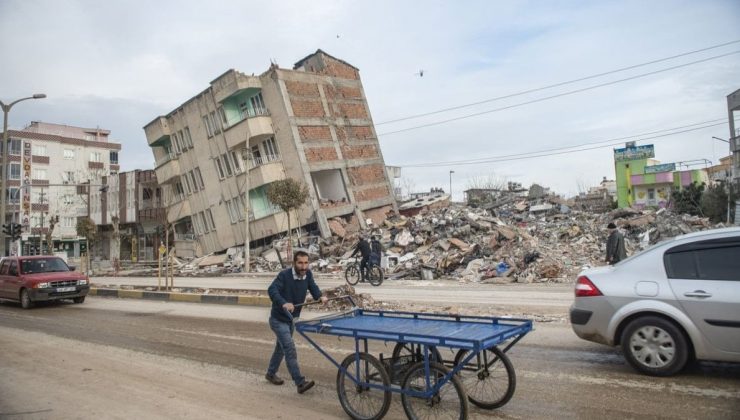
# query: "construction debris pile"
{"points": [[516, 242]]}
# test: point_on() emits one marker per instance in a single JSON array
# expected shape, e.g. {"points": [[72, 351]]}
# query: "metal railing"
{"points": [[262, 160]]}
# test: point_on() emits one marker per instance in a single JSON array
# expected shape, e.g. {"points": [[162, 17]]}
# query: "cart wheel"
{"points": [[408, 349], [490, 386], [376, 275], [450, 402], [352, 274], [363, 402]]}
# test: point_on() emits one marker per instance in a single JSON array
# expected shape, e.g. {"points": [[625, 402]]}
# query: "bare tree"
{"points": [[408, 185]]}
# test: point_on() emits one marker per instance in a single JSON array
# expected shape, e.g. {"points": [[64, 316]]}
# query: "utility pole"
{"points": [[41, 230], [246, 156], [5, 166]]}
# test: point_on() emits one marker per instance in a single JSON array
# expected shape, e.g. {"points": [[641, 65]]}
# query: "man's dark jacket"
{"points": [[285, 289], [615, 251], [363, 247]]}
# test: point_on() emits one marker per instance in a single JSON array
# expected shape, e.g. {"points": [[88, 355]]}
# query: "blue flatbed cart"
{"points": [[430, 386]]}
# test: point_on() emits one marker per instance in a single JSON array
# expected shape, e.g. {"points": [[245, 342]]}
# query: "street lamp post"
{"points": [[247, 160], [3, 176], [451, 172]]}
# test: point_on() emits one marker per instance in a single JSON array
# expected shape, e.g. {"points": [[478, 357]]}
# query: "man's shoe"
{"points": [[305, 386], [274, 379]]}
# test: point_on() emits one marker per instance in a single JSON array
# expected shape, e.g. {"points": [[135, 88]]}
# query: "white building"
{"points": [[48, 165]]}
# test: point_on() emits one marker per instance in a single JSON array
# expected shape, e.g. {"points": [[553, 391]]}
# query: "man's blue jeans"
{"points": [[284, 347]]}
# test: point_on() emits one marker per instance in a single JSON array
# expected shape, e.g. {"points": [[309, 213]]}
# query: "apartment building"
{"points": [[48, 165], [128, 209], [311, 123]]}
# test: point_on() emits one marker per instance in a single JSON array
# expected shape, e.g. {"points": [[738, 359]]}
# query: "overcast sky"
{"points": [[119, 64]]}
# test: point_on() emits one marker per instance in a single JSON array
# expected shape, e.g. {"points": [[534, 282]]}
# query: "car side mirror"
{"points": [[71, 267]]}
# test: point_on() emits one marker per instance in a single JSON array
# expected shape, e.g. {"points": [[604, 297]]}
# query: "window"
{"points": [[15, 171], [68, 199], [15, 147], [69, 154], [113, 157], [704, 260], [216, 123], [14, 195], [196, 225], [176, 143], [95, 157], [188, 138], [227, 164], [39, 150], [68, 222], [238, 167], [39, 173], [212, 224], [222, 115], [270, 148], [233, 213], [209, 127], [220, 168], [186, 182], [179, 192], [191, 174], [257, 104], [203, 221], [200, 179]]}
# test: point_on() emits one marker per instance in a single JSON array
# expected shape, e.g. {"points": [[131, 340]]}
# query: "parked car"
{"points": [[32, 279], [673, 302]]}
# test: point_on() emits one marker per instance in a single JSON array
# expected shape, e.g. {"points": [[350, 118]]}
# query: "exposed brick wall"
{"points": [[314, 132], [341, 133], [302, 89], [368, 174], [318, 154], [352, 111], [378, 214], [363, 132], [360, 152], [371, 193], [307, 108], [338, 69], [350, 92]]}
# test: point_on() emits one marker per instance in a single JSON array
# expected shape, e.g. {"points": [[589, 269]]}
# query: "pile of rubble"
{"points": [[511, 243]]}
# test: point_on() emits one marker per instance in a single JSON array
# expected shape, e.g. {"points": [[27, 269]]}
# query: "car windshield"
{"points": [[43, 265]]}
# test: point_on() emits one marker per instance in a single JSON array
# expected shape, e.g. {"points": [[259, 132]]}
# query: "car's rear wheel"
{"points": [[655, 346], [79, 299], [26, 302]]}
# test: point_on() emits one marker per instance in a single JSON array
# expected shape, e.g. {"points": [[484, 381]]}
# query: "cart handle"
{"points": [[316, 302]]}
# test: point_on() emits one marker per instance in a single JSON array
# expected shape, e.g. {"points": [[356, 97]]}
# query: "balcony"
{"points": [[167, 171], [252, 124], [157, 129], [265, 170], [232, 82], [178, 210]]}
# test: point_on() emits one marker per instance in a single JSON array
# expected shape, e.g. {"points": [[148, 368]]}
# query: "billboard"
{"points": [[26, 185], [634, 153], [666, 167]]}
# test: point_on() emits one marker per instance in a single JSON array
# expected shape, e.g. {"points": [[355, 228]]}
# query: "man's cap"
{"points": [[611, 226]]}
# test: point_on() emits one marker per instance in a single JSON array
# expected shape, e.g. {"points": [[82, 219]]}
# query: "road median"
{"points": [[223, 299]]}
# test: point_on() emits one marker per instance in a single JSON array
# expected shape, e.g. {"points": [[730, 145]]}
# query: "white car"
{"points": [[676, 301]]}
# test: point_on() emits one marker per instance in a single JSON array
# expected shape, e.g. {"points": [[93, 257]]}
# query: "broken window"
{"points": [[329, 186]]}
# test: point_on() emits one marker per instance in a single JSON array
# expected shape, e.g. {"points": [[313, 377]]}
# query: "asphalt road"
{"points": [[118, 358]]}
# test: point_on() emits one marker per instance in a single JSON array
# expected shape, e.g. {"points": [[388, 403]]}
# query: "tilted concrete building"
{"points": [[311, 123]]}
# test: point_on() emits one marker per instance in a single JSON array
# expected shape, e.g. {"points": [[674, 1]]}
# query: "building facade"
{"points": [[49, 168], [311, 123], [130, 214], [643, 181]]}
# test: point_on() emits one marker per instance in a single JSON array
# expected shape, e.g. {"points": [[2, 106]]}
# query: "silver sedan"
{"points": [[676, 301]]}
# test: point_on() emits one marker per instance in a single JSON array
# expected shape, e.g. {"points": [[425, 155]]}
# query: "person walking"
{"points": [[363, 247], [615, 251], [287, 290]]}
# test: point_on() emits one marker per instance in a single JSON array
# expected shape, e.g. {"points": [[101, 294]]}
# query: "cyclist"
{"points": [[363, 247], [376, 250]]}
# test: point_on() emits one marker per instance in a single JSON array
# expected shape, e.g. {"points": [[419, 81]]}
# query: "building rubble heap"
{"points": [[509, 243]]}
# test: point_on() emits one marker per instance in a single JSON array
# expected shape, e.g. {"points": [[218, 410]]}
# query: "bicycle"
{"points": [[375, 273]]}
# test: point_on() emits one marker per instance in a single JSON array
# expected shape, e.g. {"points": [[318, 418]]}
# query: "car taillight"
{"points": [[585, 288]]}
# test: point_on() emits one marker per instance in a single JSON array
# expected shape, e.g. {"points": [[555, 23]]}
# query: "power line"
{"points": [[537, 154], [624, 138], [557, 84], [559, 94]]}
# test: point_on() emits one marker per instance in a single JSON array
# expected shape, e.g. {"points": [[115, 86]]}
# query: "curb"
{"points": [[182, 297]]}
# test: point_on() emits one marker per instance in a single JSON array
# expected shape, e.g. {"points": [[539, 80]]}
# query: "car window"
{"points": [[43, 265], [4, 267], [705, 260], [13, 270], [718, 263]]}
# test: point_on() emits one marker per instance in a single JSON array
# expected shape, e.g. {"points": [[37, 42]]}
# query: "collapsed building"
{"points": [[217, 153]]}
